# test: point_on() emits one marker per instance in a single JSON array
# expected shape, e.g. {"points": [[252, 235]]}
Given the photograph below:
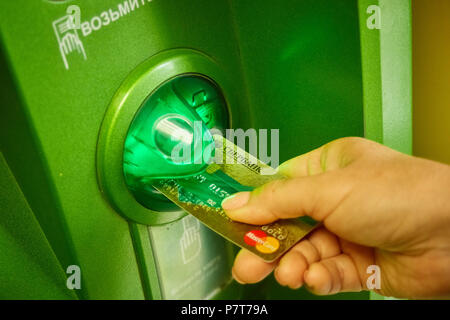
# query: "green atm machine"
{"points": [[77, 74]]}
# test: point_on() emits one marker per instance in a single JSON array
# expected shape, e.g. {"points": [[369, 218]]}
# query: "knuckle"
{"points": [[309, 252], [271, 195], [355, 145], [352, 140]]}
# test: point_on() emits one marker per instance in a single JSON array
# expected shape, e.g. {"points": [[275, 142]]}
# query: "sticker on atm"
{"points": [[201, 195]]}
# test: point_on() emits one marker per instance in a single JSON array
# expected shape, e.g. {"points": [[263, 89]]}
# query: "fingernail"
{"points": [[236, 200]]}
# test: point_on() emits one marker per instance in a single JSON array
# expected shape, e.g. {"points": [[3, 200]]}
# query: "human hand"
{"points": [[378, 207]]}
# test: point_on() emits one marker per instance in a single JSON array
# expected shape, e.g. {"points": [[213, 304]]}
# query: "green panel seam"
{"points": [[244, 75], [396, 74], [371, 75], [145, 261], [387, 74]]}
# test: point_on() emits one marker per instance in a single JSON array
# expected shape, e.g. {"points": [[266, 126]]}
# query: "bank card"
{"points": [[234, 170]]}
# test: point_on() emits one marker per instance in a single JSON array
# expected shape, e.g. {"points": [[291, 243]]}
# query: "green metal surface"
{"points": [[29, 268], [309, 68], [387, 74], [303, 70]]}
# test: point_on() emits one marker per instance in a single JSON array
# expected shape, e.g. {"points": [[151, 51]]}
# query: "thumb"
{"points": [[315, 196]]}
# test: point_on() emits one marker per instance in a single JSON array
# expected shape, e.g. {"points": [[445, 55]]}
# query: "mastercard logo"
{"points": [[262, 242]]}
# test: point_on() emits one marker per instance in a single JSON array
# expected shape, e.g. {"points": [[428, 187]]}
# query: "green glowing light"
{"points": [[169, 136]]}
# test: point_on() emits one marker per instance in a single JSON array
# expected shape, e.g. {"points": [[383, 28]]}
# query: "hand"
{"points": [[378, 207]]}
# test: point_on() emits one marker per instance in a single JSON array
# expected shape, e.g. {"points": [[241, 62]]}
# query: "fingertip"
{"points": [[318, 279], [289, 271], [249, 268]]}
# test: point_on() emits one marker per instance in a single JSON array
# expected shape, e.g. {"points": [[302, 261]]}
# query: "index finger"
{"points": [[333, 155]]}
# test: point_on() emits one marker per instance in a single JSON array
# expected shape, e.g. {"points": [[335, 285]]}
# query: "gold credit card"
{"points": [[234, 170]]}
